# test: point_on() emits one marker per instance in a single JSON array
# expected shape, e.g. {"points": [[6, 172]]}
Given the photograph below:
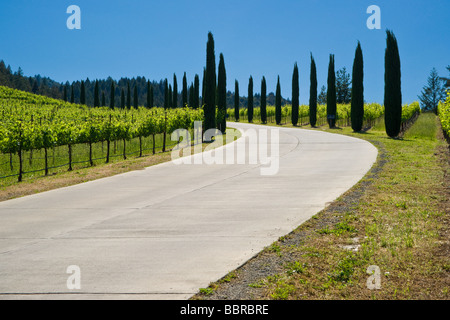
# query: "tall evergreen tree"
{"points": [[196, 92], [263, 100], [128, 96], [392, 87], [331, 94], [65, 93], [111, 101], [343, 89], [250, 100], [184, 94], [203, 86], [191, 95], [82, 93], [322, 97], [236, 100], [313, 94], [175, 92], [136, 98], [96, 95], [170, 96], [357, 99], [222, 95], [122, 99], [72, 95], [295, 96], [210, 85], [166, 94], [149, 97], [278, 102], [433, 92], [103, 99]]}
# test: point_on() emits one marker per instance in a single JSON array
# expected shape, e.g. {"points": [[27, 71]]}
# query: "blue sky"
{"points": [[156, 39]]}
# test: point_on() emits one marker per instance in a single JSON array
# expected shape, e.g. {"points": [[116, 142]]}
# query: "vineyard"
{"points": [[50, 133], [372, 112], [444, 116]]}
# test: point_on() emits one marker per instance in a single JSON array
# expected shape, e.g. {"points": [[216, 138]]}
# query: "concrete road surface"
{"points": [[168, 230]]}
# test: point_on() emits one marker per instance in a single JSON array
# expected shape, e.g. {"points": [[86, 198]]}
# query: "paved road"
{"points": [[168, 230]]}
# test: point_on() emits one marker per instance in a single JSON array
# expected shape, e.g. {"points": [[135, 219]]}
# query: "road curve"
{"points": [[168, 230]]}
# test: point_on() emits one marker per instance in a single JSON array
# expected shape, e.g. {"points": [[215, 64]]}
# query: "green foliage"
{"points": [[313, 94], [444, 114], [210, 85], [331, 94], [250, 100], [222, 95], [236, 100], [392, 87], [263, 107], [295, 95], [31, 122], [278, 103], [357, 92]]}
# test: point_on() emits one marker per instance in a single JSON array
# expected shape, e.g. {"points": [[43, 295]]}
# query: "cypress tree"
{"points": [[191, 95], [65, 93], [136, 102], [175, 92], [96, 95], [331, 94], [111, 101], [210, 85], [166, 94], [128, 96], [222, 95], [203, 86], [313, 94], [295, 96], [103, 99], [196, 91], [392, 87], [278, 103], [82, 93], [263, 100], [236, 100], [122, 99], [357, 100], [185, 91], [170, 96], [72, 95], [250, 100], [149, 97]]}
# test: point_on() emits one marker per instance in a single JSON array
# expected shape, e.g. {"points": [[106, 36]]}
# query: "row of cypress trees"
{"points": [[392, 92], [215, 89]]}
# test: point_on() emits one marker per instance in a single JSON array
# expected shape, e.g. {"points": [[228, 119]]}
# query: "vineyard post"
{"points": [[165, 131], [70, 157], [46, 160], [31, 150], [108, 142], [154, 143], [124, 148], [20, 154], [91, 162]]}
